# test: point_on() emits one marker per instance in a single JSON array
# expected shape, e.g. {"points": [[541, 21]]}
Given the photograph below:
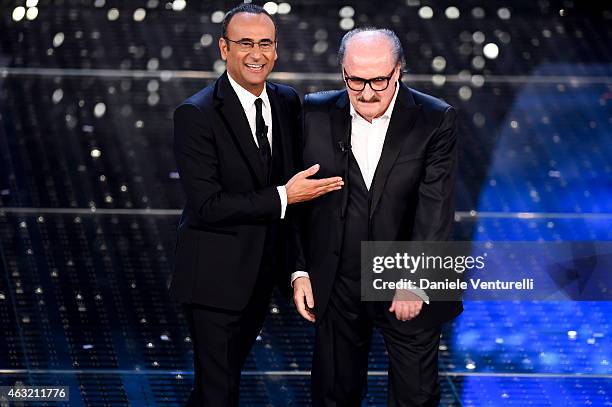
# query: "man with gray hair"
{"points": [[395, 148]]}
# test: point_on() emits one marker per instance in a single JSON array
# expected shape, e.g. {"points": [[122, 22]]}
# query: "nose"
{"points": [[367, 93], [255, 52]]}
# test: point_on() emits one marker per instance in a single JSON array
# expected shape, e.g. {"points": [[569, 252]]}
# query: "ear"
{"points": [[223, 49], [397, 74]]}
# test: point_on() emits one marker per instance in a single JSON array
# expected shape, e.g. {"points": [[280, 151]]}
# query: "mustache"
{"points": [[373, 99]]}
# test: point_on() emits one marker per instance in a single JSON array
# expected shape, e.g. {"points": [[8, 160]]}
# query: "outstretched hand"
{"points": [[300, 188]]}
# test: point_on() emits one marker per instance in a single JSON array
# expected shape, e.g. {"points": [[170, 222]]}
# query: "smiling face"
{"points": [[370, 55], [249, 68]]}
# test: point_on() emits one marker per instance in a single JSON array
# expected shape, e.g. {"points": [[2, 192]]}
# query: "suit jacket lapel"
{"points": [[235, 120], [280, 147], [341, 134], [405, 113]]}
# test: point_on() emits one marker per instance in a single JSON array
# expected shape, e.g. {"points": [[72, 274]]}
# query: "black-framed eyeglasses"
{"points": [[247, 45], [358, 84]]}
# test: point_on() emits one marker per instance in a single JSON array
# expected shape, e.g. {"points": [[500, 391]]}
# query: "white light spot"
{"points": [[206, 40], [58, 39], [514, 124], [153, 99], [426, 12], [478, 80], [347, 24], [113, 14], [166, 52], [465, 92], [99, 3], [478, 12], [31, 3], [572, 335], [284, 8], [478, 37], [503, 13], [478, 62], [491, 50], [95, 153], [178, 5], [217, 16], [320, 47], [99, 109], [438, 80], [271, 7], [219, 66], [153, 64], [452, 13], [153, 86], [58, 95], [32, 13], [19, 13], [346, 12], [438, 63], [139, 14], [470, 366]]}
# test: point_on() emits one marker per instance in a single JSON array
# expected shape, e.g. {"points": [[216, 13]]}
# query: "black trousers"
{"points": [[342, 344], [222, 340]]}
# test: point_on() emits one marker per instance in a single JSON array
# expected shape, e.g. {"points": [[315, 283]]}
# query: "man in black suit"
{"points": [[395, 148], [237, 145]]}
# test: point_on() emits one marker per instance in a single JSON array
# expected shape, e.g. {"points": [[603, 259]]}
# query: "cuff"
{"points": [[282, 194], [297, 274], [420, 293]]}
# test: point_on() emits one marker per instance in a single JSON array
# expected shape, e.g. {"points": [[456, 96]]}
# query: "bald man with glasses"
{"points": [[396, 150]]}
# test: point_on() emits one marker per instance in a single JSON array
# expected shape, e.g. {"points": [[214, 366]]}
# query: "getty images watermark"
{"points": [[509, 270]]}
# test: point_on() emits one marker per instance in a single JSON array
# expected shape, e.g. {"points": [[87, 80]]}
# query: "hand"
{"points": [[300, 188], [302, 296], [406, 305]]}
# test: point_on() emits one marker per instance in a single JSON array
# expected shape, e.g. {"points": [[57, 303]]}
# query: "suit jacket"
{"points": [[229, 205], [412, 190]]}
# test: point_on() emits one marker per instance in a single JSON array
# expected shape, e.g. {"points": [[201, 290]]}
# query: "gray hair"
{"points": [[396, 45]]}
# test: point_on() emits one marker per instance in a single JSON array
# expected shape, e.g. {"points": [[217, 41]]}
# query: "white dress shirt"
{"points": [[367, 141], [247, 100]]}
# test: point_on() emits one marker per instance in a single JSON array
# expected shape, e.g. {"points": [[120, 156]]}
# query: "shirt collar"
{"points": [[247, 99], [388, 112]]}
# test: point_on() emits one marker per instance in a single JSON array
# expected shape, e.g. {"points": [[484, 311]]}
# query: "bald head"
{"points": [[371, 39]]}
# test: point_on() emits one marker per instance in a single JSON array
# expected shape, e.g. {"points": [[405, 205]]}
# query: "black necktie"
{"points": [[261, 132]]}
